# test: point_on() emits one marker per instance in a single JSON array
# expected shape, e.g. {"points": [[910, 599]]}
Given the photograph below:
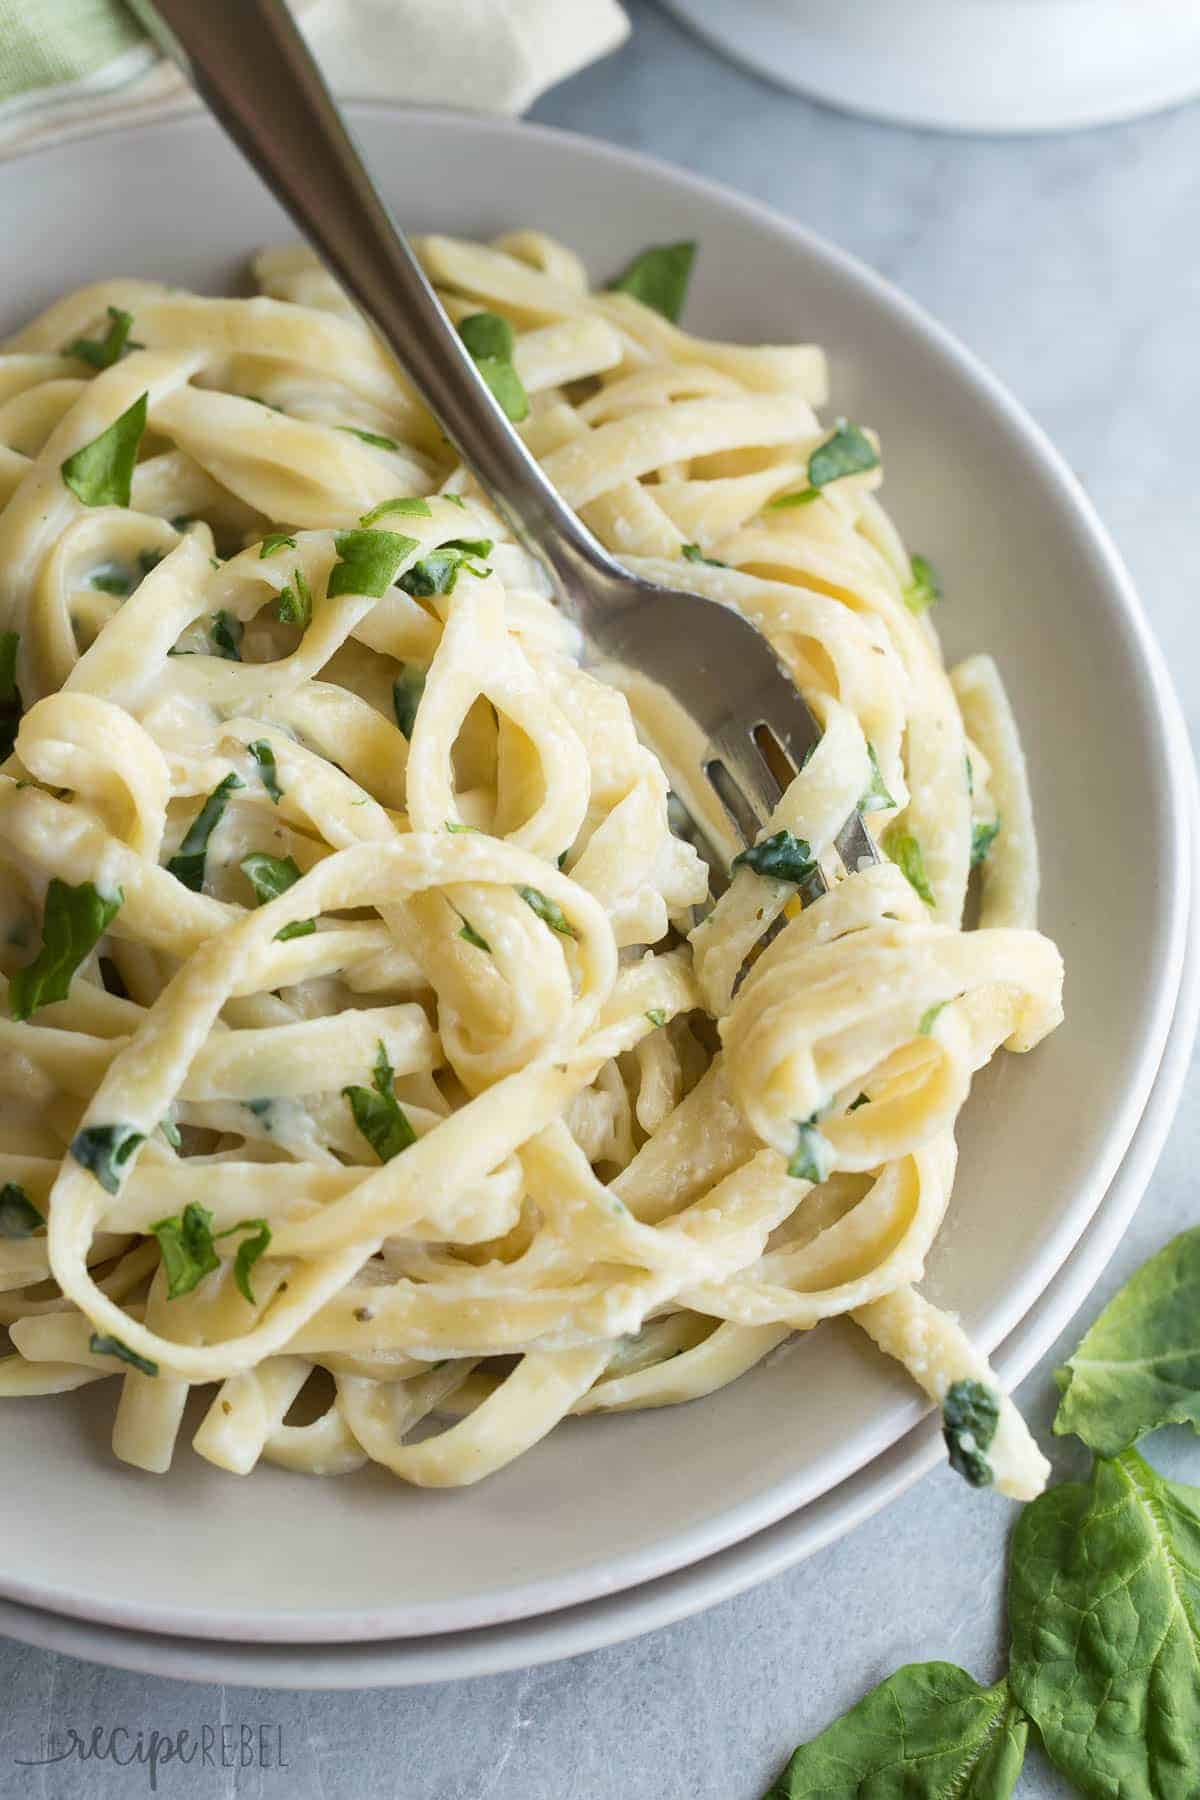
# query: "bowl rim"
{"points": [[671, 1551]]}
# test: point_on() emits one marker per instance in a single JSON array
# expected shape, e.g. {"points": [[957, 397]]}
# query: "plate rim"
{"points": [[671, 1552]]}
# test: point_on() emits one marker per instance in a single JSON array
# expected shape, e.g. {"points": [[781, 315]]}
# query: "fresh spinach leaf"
{"points": [[491, 343], [101, 473], [1104, 1608], [876, 798], [378, 1114], [104, 1150], [929, 1731], [275, 540], [264, 756], [905, 851], [797, 497], [1139, 1365], [409, 506], [812, 1158], [657, 1017], [248, 1252], [375, 438], [970, 1415], [925, 588], [295, 602], [187, 1249], [271, 876], [848, 452], [187, 865], [983, 836], [407, 689], [438, 571], [19, 1217], [549, 911], [100, 1345], [659, 278], [472, 936], [368, 561], [103, 352], [693, 553], [780, 857], [226, 634], [73, 921], [111, 581]]}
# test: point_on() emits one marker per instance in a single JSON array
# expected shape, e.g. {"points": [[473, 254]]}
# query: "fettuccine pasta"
{"points": [[373, 1055]]}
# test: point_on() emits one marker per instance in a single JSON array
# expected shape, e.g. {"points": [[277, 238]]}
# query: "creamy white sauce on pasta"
{"points": [[601, 1149]]}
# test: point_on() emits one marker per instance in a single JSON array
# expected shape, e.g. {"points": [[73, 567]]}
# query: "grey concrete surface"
{"points": [[1072, 265]]}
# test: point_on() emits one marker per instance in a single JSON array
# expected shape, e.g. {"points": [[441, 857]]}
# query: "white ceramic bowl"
{"points": [[607, 1504], [968, 65]]}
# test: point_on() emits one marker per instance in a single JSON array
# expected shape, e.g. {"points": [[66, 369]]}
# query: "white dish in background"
{"points": [[967, 65], [453, 1656], [607, 1504]]}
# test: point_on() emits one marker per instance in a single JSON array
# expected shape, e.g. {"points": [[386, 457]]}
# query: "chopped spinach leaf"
{"points": [[295, 602], [812, 1158], [797, 497], [983, 835], [264, 756], [103, 352], [19, 1217], [104, 1150], [248, 1252], [489, 338], [409, 506], [780, 857], [101, 473], [876, 798], [378, 1114], [374, 438], [368, 561], [905, 851], [438, 571], [693, 553], [472, 936], [226, 634], [925, 588], [848, 452], [111, 581], [970, 1415], [270, 876], [275, 540], [548, 910], [407, 689], [73, 921], [101, 1345], [187, 1249], [657, 1017], [659, 278], [928, 1018], [187, 865]]}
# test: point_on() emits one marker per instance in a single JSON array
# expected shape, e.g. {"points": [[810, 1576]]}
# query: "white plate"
{"points": [[455, 1656], [607, 1504], [967, 65]]}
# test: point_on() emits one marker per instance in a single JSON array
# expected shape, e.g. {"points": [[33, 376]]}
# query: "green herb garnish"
{"points": [[928, 1018], [472, 936], [438, 571], [983, 836], [104, 1150], [187, 865], [925, 588], [101, 1345], [187, 1249], [848, 452], [970, 1415], [295, 602], [264, 756], [693, 553], [101, 473], [226, 634], [375, 438], [271, 876], [905, 851], [876, 798], [657, 1017], [549, 911], [111, 581], [368, 561], [659, 278], [275, 540], [73, 921], [378, 1114], [407, 689], [798, 497], [19, 1217], [489, 338], [103, 352], [410, 507], [780, 857], [812, 1158]]}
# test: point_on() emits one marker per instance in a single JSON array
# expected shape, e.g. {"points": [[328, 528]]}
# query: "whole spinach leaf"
{"points": [[1139, 1365], [927, 1732], [1104, 1608]]}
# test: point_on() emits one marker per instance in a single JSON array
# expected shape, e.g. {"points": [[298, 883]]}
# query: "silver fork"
{"points": [[705, 686]]}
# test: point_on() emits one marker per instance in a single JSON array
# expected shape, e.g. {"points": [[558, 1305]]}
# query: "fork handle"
{"points": [[250, 64]]}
